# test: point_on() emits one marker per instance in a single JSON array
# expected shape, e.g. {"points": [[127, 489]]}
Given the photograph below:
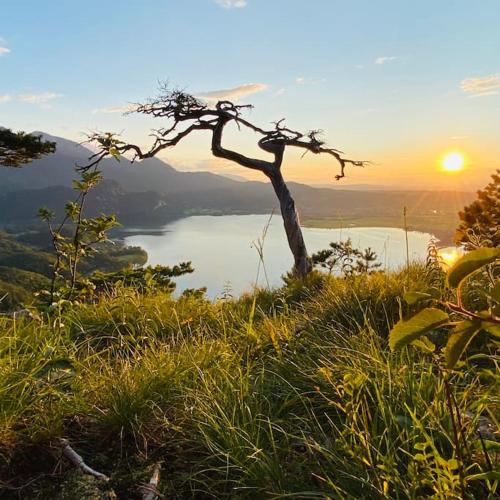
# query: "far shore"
{"points": [[441, 226]]}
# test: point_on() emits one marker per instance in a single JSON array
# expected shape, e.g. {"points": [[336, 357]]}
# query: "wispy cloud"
{"points": [[301, 80], [114, 109], [234, 93], [481, 85], [231, 4], [3, 50], [385, 59], [41, 99]]}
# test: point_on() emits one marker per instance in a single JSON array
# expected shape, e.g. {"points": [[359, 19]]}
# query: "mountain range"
{"points": [[152, 192]]}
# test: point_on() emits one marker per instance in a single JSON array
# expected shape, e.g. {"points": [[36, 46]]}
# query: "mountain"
{"points": [[358, 187], [151, 192], [235, 177], [148, 175], [148, 207]]}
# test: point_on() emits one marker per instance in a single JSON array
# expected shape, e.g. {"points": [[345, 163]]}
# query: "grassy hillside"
{"points": [[291, 393], [26, 265]]}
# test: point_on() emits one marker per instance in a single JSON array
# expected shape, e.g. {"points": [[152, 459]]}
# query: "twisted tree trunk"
{"points": [[292, 225], [182, 108]]}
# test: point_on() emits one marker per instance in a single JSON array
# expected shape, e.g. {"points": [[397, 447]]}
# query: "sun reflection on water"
{"points": [[448, 256]]}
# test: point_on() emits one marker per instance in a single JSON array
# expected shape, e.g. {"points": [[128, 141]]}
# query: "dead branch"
{"points": [[187, 114], [77, 461], [150, 490]]}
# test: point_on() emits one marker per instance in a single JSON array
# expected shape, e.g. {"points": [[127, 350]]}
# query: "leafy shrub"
{"points": [[470, 322], [346, 259]]}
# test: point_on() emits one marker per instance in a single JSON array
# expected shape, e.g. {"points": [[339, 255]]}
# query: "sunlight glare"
{"points": [[453, 162], [448, 256]]}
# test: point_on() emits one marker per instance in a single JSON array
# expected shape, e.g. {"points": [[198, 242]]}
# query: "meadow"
{"points": [[284, 393]]}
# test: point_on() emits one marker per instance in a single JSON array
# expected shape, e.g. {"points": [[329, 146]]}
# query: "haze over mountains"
{"points": [[151, 192]]}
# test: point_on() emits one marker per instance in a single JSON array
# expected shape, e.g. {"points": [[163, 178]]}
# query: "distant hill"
{"points": [[151, 192], [147, 175], [358, 187], [235, 177]]}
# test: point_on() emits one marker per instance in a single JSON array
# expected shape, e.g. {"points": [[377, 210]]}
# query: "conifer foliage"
{"points": [[480, 221], [18, 148]]}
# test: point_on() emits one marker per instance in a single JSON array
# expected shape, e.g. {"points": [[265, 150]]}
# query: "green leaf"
{"points": [[115, 153], [421, 446], [405, 332], [424, 344], [491, 475], [470, 263], [414, 297], [489, 445], [458, 341], [491, 328]]}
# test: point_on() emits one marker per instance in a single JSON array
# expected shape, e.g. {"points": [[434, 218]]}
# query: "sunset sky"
{"points": [[400, 83]]}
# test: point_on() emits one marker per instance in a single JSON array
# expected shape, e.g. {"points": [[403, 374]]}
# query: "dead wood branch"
{"points": [[150, 490], [78, 461], [187, 114]]}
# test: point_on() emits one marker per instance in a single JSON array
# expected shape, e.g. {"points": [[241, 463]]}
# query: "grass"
{"points": [[288, 393]]}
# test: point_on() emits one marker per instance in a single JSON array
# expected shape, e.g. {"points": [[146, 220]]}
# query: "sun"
{"points": [[453, 162]]}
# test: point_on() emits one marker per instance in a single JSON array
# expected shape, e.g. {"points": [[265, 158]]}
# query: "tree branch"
{"points": [[180, 107]]}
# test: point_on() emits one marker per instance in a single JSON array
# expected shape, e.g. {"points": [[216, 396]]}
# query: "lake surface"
{"points": [[224, 255]]}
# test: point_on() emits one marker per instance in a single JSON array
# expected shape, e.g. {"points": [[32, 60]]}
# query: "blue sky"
{"points": [[396, 82]]}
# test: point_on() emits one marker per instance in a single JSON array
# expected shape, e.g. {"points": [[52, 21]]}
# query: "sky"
{"points": [[399, 83]]}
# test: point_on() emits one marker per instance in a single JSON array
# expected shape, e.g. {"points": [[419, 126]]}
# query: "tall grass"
{"points": [[285, 393]]}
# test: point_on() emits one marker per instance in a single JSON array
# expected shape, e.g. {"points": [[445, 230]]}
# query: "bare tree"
{"points": [[187, 114]]}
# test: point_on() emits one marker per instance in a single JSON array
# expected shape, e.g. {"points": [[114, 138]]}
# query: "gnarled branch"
{"points": [[187, 114], [180, 107]]}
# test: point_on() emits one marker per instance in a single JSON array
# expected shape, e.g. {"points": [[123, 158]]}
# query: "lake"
{"points": [[224, 254]]}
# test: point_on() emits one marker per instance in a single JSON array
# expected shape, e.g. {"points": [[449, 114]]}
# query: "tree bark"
{"points": [[291, 222], [182, 108]]}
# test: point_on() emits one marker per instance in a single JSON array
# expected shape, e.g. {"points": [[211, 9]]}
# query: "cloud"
{"points": [[37, 99], [233, 94], [42, 98], [385, 59], [231, 4], [115, 109], [481, 86], [300, 80], [4, 50]]}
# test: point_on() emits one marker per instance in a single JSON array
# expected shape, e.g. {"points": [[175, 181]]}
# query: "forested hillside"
{"points": [[153, 193]]}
